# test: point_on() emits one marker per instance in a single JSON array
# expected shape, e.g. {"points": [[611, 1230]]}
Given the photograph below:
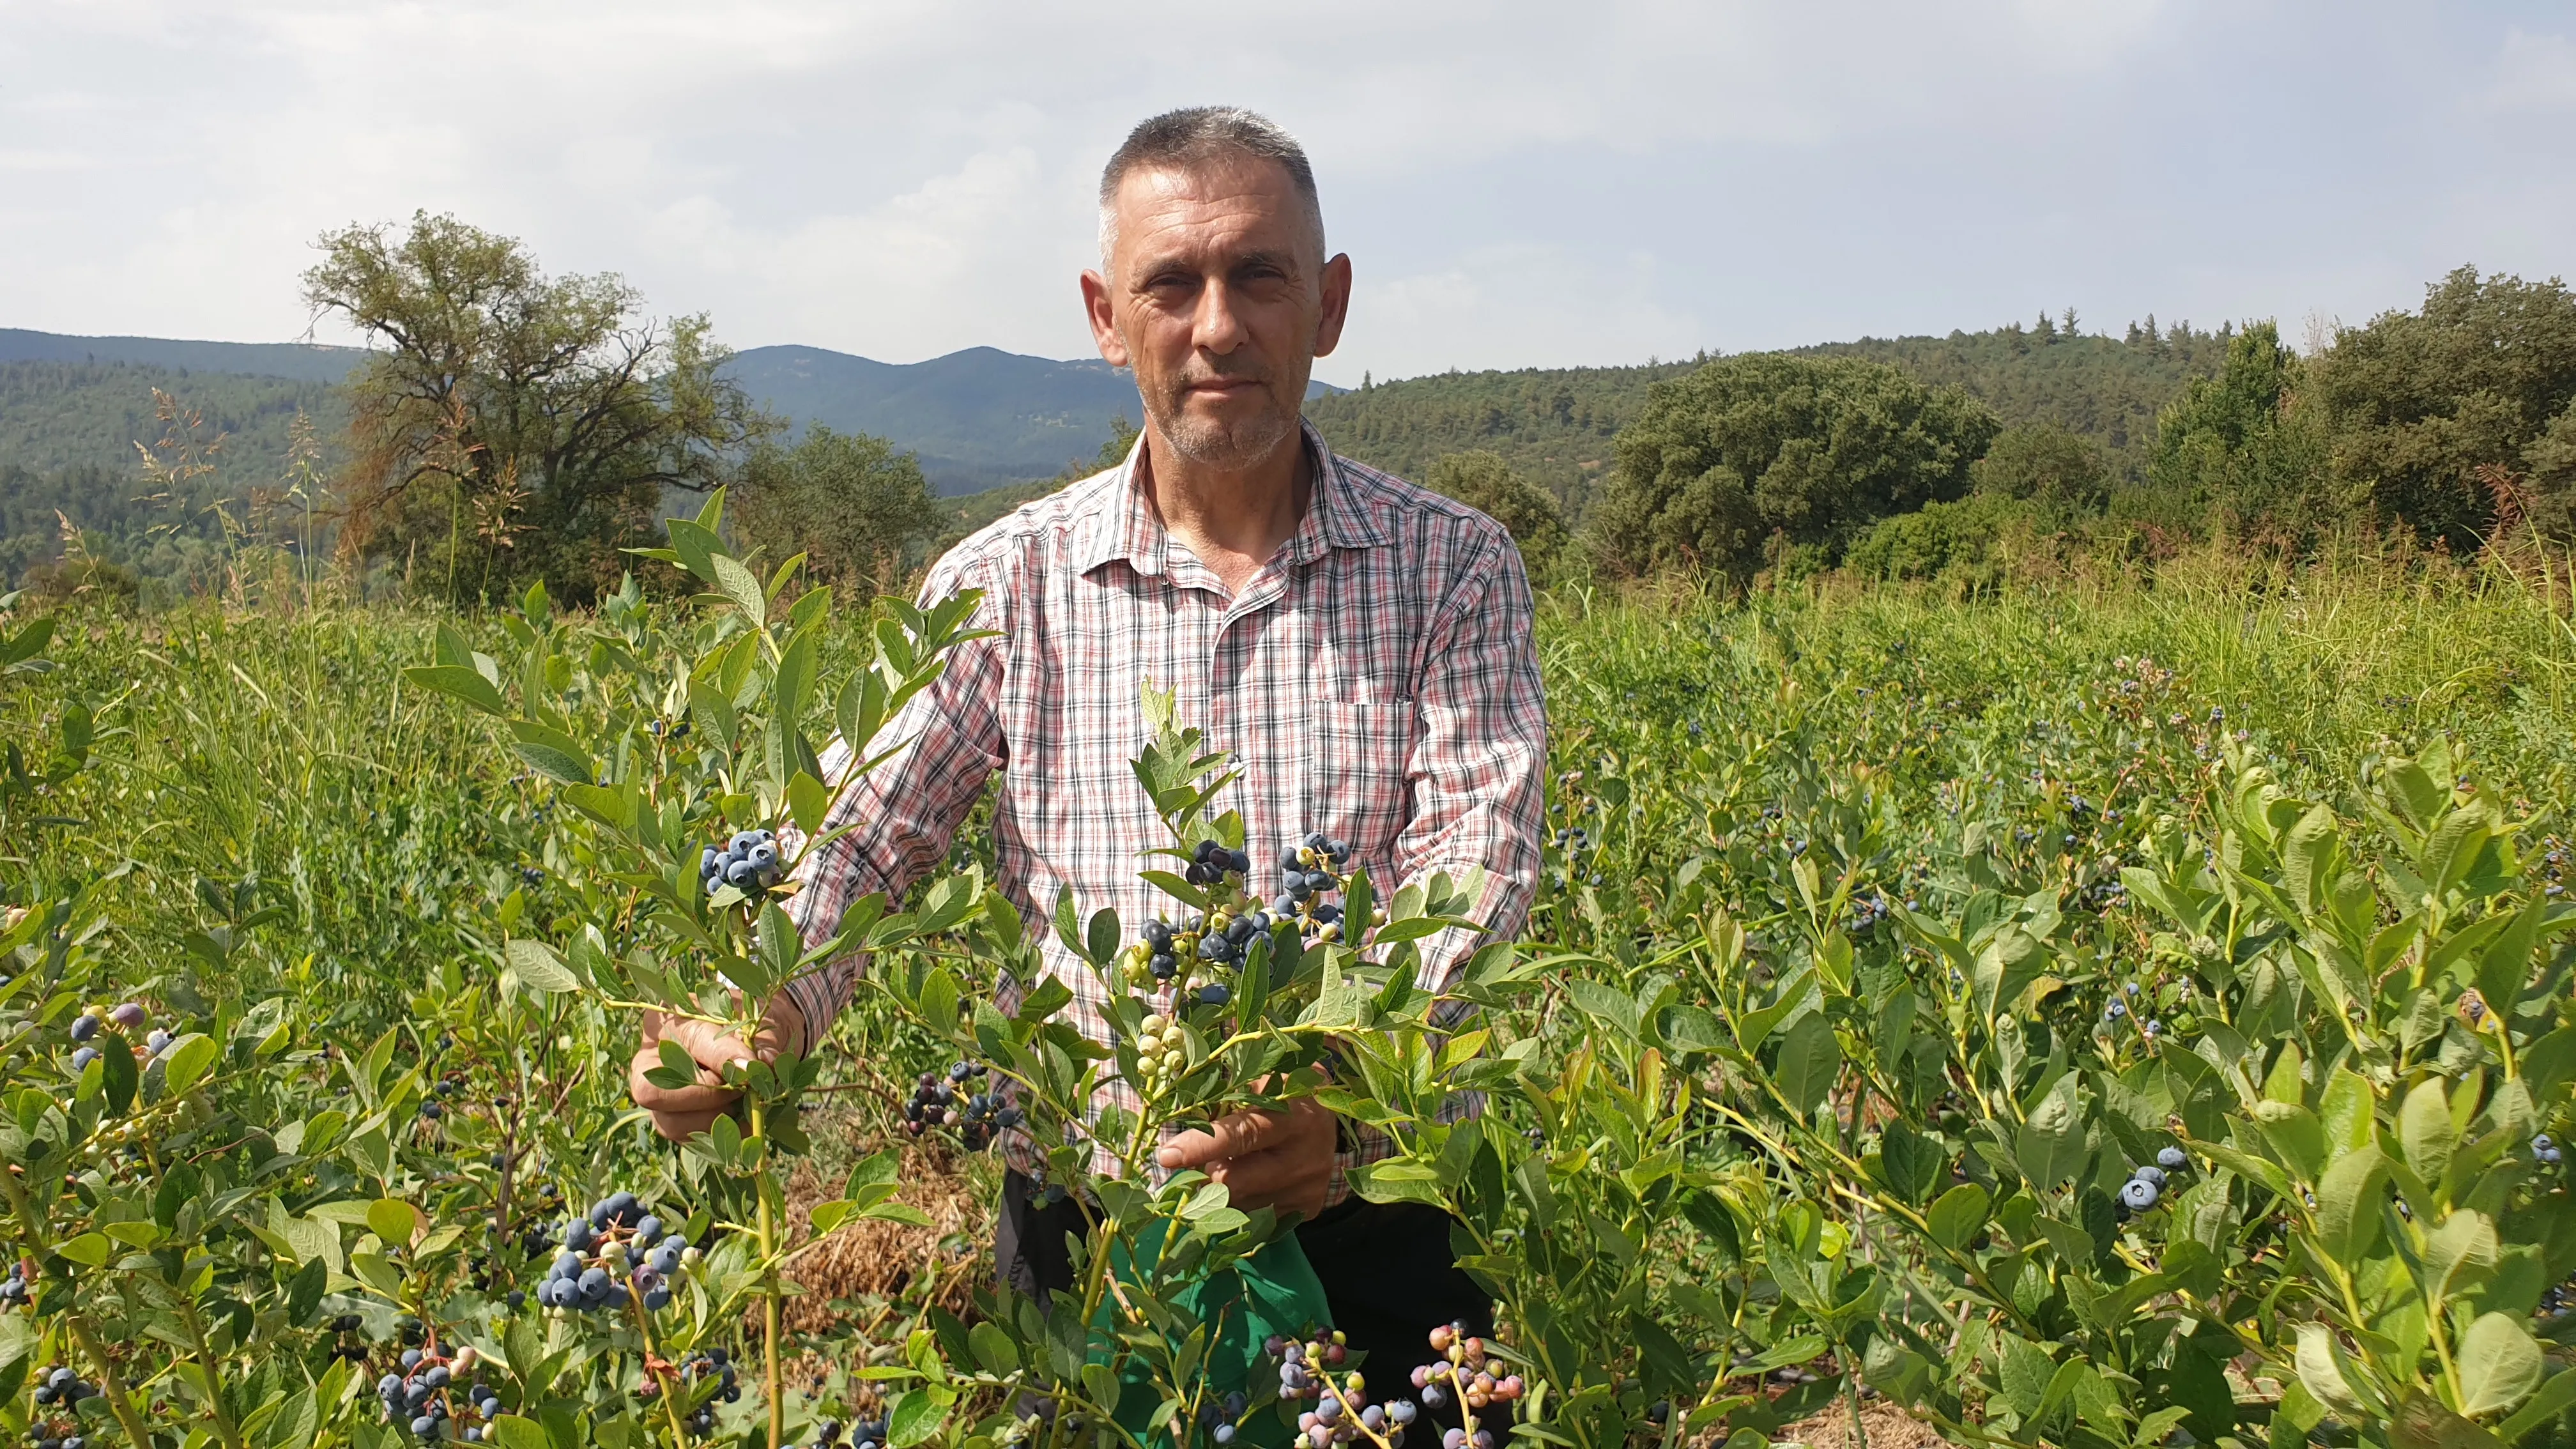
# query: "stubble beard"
{"points": [[1226, 446]]}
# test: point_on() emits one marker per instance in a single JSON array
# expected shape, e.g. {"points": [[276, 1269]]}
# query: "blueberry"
{"points": [[2150, 1174], [1214, 994], [1238, 861], [82, 1058], [742, 875], [410, 1359], [2172, 1159], [1317, 880], [86, 1027], [2138, 1194], [127, 1015], [1289, 859], [762, 857]]}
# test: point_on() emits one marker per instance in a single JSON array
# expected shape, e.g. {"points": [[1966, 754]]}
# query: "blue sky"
{"points": [[1518, 184]]}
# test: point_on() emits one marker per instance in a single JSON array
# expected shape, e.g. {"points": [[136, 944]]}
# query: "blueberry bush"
{"points": [[2084, 1053]]}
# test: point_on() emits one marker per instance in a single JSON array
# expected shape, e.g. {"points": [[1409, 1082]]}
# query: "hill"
{"points": [[1555, 425], [61, 416], [976, 419], [301, 361]]}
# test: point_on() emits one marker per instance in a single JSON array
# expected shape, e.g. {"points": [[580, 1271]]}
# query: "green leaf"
{"points": [[120, 1076], [536, 964], [460, 682], [742, 588], [90, 1250], [1809, 1063], [697, 545], [2549, 1403], [188, 1060], [2500, 1364], [515, 1432], [2424, 1130], [1910, 1162], [1956, 1215], [2321, 1372], [2349, 1206], [2050, 1145], [552, 753], [395, 1221], [993, 1349]]}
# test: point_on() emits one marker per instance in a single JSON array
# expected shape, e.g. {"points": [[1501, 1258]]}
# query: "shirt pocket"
{"points": [[1361, 793]]}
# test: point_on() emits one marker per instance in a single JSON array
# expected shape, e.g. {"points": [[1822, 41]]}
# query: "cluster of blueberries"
{"points": [[419, 1394], [65, 1387], [2147, 1184], [618, 1253], [431, 1108], [1218, 1417], [1464, 1371], [749, 863], [1211, 863], [1866, 912], [126, 1016], [15, 1289], [1310, 1370], [2113, 1013], [711, 1363], [2543, 1151], [1307, 873], [864, 1434], [979, 1115]]}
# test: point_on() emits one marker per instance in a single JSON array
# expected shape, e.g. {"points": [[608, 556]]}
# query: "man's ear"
{"points": [[1103, 317], [1337, 305]]}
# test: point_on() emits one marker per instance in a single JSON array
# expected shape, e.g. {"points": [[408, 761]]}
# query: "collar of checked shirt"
{"points": [[1135, 532]]}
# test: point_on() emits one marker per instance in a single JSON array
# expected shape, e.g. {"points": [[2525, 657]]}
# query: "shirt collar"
{"points": [[1126, 526]]}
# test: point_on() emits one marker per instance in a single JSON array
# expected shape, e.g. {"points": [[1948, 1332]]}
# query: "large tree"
{"points": [[510, 424], [2246, 441], [1807, 450], [2433, 413], [858, 510], [1483, 480]]}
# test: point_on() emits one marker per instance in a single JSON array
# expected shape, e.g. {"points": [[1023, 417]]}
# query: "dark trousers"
{"points": [[1387, 1271]]}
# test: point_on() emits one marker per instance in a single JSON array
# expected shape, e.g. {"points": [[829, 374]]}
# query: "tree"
{"points": [[1485, 482], [2044, 463], [2240, 440], [2418, 403], [1809, 449], [514, 425], [856, 508]]}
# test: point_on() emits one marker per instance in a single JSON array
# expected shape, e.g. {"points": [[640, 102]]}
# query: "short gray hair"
{"points": [[1195, 134]]}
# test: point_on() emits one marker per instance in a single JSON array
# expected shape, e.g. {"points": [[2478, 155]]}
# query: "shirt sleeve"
{"points": [[907, 810], [1479, 765], [1478, 772]]}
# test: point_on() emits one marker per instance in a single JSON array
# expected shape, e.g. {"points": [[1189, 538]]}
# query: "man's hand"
{"points": [[1281, 1160], [680, 1113]]}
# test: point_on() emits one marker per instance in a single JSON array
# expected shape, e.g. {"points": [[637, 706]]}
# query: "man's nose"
{"points": [[1217, 328]]}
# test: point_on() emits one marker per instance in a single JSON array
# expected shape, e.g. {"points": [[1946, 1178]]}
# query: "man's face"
{"points": [[1220, 299]]}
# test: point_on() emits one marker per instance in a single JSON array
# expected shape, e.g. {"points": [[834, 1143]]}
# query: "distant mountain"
{"points": [[977, 419], [300, 361], [1555, 425]]}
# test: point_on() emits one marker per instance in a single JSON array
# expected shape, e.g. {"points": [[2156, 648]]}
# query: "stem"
{"points": [[661, 1376], [224, 1427], [767, 1235], [114, 1387]]}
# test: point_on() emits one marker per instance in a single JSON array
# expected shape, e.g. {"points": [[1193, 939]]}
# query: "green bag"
{"points": [[1274, 1291]]}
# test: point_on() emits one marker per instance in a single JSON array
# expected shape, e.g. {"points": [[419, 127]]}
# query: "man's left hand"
{"points": [[1281, 1160]]}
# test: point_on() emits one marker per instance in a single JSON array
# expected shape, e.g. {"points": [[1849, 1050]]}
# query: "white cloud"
{"points": [[2534, 74], [1520, 182]]}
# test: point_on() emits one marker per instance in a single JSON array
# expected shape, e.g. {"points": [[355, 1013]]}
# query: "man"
{"points": [[1362, 646]]}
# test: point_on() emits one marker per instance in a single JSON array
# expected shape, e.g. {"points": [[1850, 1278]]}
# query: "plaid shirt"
{"points": [[1376, 681]]}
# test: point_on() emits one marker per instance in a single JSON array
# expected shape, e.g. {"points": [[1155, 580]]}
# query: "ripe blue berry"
{"points": [[2138, 1195], [2172, 1159]]}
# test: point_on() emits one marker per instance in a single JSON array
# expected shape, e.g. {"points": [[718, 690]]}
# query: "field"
{"points": [[1888, 940]]}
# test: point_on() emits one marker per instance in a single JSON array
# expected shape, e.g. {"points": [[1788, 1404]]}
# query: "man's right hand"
{"points": [[680, 1113]]}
